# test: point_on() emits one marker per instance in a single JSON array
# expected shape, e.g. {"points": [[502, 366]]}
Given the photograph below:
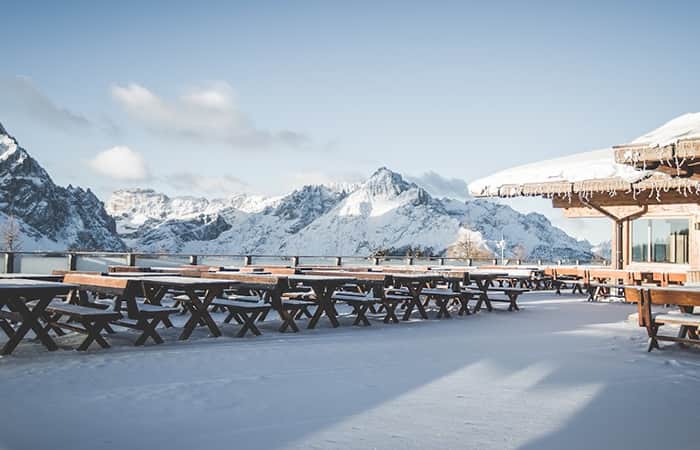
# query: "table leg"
{"points": [[30, 321], [325, 305], [200, 311]]}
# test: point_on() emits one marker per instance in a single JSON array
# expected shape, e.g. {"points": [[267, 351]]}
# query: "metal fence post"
{"points": [[193, 260], [442, 261], [376, 260], [295, 261], [130, 259], [409, 260], [72, 261], [9, 262], [338, 261], [247, 260], [470, 262]]}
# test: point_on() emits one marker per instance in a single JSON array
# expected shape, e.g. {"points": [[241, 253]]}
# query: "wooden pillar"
{"points": [[618, 245]]}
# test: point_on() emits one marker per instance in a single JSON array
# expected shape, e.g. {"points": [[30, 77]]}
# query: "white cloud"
{"points": [[20, 95], [196, 184], [439, 186], [121, 163], [208, 113]]}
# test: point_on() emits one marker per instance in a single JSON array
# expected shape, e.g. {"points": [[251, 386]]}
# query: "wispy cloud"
{"points": [[195, 184], [209, 113], [439, 186], [20, 95], [121, 163]]}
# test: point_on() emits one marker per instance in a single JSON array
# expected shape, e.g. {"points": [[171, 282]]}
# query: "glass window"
{"points": [[660, 240]]}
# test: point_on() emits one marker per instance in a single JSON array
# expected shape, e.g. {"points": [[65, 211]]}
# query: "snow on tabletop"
{"points": [[593, 165]]}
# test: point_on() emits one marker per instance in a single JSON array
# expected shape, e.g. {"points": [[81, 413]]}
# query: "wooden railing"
{"points": [[47, 261]]}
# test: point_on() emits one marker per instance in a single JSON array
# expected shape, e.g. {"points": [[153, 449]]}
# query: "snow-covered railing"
{"points": [[45, 262]]}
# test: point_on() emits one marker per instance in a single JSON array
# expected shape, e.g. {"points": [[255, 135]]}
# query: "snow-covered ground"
{"points": [[560, 374]]}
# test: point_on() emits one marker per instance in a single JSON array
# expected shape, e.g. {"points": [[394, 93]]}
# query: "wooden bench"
{"points": [[442, 298], [597, 290], [92, 322], [270, 288], [685, 299], [576, 284], [360, 305], [244, 312], [512, 294]]}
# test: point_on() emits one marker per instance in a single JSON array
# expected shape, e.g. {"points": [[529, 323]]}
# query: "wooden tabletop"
{"points": [[31, 276], [20, 284], [321, 278], [142, 274], [177, 281]]}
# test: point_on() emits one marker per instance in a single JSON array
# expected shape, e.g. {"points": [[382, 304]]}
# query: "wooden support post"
{"points": [[441, 261], [470, 262], [9, 262], [131, 259], [519, 262], [409, 260], [376, 260], [295, 261], [193, 260], [247, 260], [338, 261], [72, 261]]}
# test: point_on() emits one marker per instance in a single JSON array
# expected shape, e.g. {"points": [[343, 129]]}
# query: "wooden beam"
{"points": [[628, 199]]}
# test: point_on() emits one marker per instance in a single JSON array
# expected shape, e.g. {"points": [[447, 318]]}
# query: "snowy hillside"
{"points": [[45, 216], [384, 214]]}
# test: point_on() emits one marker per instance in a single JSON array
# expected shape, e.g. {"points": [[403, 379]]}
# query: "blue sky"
{"points": [[209, 97]]}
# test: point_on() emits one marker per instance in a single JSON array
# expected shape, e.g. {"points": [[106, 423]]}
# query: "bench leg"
{"points": [[249, 324], [361, 311], [443, 312], [148, 330], [93, 330], [287, 317], [390, 308]]}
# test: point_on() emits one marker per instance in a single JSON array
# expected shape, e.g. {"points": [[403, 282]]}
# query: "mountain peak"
{"points": [[2, 130], [387, 182]]}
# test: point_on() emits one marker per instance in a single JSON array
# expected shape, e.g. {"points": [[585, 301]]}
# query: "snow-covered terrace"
{"points": [[560, 374], [621, 168]]}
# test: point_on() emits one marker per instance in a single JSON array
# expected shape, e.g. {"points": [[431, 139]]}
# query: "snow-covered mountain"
{"points": [[44, 216], [384, 214]]}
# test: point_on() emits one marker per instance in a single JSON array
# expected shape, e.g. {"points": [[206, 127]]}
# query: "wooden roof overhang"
{"points": [[679, 159]]}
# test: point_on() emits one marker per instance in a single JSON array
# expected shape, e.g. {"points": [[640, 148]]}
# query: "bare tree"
{"points": [[468, 248], [10, 234]]}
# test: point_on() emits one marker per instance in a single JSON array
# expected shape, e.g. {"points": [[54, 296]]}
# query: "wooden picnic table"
{"points": [[31, 276], [323, 287], [154, 288], [269, 287], [15, 306], [145, 318], [414, 283]]}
